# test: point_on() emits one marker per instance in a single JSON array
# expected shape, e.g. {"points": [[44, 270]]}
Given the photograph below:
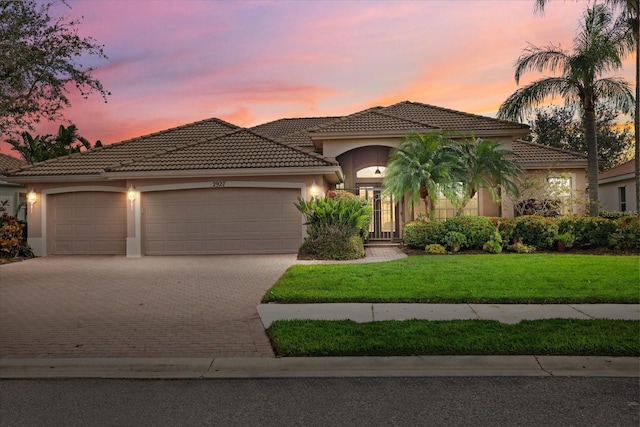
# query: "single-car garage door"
{"points": [[221, 221], [86, 223]]}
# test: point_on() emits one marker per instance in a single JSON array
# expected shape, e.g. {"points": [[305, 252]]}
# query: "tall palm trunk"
{"points": [[636, 119], [592, 159]]}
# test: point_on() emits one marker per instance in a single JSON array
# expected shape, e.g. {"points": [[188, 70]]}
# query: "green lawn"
{"points": [[562, 337], [505, 278]]}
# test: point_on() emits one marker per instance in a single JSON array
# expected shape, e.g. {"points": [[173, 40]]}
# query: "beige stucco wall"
{"points": [[609, 198], [578, 179]]}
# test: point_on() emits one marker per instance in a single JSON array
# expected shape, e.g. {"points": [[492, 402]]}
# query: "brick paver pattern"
{"points": [[112, 306]]}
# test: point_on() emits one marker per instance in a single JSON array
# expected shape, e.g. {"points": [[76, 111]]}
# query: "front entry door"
{"points": [[384, 225]]}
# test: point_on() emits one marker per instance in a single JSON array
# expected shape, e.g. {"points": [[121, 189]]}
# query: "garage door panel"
{"points": [[218, 221], [86, 223]]}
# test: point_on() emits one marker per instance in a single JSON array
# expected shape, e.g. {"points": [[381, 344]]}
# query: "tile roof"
{"points": [[216, 144], [446, 119], [623, 169], [96, 160], [530, 153], [237, 150], [373, 120], [283, 127], [8, 163]]}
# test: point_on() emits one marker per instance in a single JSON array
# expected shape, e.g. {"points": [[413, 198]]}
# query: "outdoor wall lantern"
{"points": [[31, 198], [131, 195], [314, 189]]}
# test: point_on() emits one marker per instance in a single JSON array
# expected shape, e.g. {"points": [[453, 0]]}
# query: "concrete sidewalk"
{"points": [[506, 313], [298, 367]]}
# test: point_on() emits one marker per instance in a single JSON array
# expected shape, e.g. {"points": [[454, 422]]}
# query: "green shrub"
{"points": [[332, 243], [477, 229], [627, 237], [537, 231], [506, 227], [334, 224], [419, 234], [435, 249], [493, 246], [567, 239], [615, 214], [12, 241], [590, 231], [455, 240], [337, 208], [520, 248]]}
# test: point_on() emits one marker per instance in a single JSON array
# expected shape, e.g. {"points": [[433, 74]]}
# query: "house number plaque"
{"points": [[218, 184]]}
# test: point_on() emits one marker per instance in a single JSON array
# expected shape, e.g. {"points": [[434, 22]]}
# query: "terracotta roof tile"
{"points": [[530, 153], [8, 163], [283, 127], [623, 169], [371, 120], [446, 119], [238, 150], [95, 161]]}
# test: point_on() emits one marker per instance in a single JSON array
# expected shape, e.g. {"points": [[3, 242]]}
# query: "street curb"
{"points": [[296, 367]]}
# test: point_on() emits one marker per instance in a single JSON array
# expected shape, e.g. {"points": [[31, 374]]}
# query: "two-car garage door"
{"points": [[179, 222], [221, 221]]}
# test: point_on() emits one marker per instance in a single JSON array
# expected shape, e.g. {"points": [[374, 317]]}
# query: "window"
{"points": [[445, 209], [371, 172], [561, 190], [622, 199]]}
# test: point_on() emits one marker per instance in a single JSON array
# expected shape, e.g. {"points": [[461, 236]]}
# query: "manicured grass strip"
{"points": [[563, 337], [505, 278]]}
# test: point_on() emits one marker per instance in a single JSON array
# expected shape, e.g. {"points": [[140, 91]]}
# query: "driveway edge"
{"points": [[416, 366]]}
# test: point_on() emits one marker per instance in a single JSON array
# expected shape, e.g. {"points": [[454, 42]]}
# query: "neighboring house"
{"points": [[12, 195], [211, 187], [617, 188]]}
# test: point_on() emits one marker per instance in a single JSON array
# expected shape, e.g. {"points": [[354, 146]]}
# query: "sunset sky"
{"points": [[249, 62]]}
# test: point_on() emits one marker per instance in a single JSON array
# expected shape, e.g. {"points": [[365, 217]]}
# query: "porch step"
{"points": [[382, 244]]}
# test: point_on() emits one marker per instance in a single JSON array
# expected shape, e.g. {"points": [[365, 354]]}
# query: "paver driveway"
{"points": [[112, 306]]}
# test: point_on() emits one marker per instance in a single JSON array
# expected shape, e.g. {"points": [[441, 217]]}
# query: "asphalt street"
{"points": [[441, 401]]}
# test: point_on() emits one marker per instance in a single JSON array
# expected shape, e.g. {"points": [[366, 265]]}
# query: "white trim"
{"points": [[134, 244], [227, 184], [80, 189], [616, 178]]}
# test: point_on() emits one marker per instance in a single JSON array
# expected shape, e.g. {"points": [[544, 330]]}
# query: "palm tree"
{"points": [[597, 50], [33, 149], [421, 167], [483, 164], [67, 139], [39, 148], [631, 15]]}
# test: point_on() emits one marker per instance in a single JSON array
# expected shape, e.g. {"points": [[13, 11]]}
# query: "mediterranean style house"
{"points": [[211, 187]]}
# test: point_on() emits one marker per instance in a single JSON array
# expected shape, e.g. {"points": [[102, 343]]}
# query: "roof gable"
{"points": [[372, 120], [446, 119], [531, 153], [97, 160], [242, 149]]}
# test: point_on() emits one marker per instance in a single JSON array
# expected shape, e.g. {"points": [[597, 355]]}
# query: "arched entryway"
{"points": [[364, 169]]}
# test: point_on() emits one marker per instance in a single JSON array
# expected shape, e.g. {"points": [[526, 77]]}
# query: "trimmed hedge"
{"points": [[419, 234], [477, 229], [536, 232]]}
